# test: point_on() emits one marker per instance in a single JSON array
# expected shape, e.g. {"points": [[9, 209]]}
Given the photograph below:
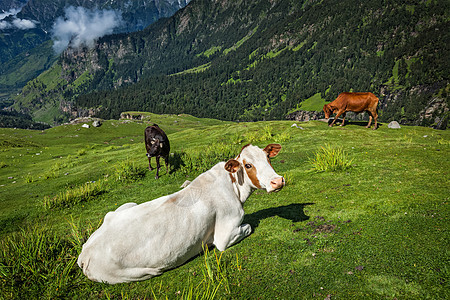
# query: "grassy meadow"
{"points": [[376, 228]]}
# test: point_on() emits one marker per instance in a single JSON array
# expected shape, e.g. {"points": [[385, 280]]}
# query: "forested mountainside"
{"points": [[254, 60], [26, 28]]}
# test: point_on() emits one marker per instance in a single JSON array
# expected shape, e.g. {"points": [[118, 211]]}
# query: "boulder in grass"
{"points": [[394, 125]]}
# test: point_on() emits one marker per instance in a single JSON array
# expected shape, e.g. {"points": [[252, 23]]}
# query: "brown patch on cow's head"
{"points": [[233, 180], [245, 147], [251, 173], [232, 166], [272, 149]]}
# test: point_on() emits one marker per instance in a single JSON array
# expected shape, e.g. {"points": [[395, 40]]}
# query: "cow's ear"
{"points": [[232, 166], [272, 149]]}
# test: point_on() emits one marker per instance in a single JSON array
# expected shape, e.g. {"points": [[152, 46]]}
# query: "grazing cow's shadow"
{"points": [[330, 120], [176, 162], [362, 123], [294, 212]]}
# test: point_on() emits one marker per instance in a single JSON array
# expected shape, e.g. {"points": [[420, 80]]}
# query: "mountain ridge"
{"points": [[254, 61]]}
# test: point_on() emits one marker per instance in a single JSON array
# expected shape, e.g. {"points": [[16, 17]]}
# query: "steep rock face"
{"points": [[76, 112], [436, 114], [305, 116], [423, 105]]}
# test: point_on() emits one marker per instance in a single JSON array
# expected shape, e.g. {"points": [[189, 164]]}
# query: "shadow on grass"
{"points": [[294, 212], [175, 162], [362, 123]]}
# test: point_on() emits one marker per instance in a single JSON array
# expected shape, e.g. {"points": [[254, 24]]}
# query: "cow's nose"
{"points": [[277, 183]]}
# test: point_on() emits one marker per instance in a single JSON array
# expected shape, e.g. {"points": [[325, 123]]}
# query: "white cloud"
{"points": [[4, 25], [17, 23], [24, 24], [82, 26], [11, 12]]}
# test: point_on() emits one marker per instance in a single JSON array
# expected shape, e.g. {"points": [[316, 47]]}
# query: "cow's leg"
{"points": [[224, 237], [374, 114], [375, 117], [158, 166], [339, 113], [133, 274], [343, 119], [149, 162], [370, 119]]}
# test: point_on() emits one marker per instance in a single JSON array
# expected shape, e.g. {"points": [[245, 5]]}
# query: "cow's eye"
{"points": [[248, 166]]}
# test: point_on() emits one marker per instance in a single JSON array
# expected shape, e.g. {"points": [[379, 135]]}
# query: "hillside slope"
{"points": [[378, 230], [241, 60]]}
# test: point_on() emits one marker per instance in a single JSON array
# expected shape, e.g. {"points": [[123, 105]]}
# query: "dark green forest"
{"points": [[18, 120], [259, 60]]}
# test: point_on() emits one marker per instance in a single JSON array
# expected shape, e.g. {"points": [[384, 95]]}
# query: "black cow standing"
{"points": [[157, 145]]}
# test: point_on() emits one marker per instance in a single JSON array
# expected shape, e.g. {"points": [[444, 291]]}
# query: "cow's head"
{"points": [[327, 110], [253, 166], [154, 148]]}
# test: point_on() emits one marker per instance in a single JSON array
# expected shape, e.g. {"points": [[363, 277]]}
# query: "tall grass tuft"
{"points": [[329, 159], [127, 171], [283, 137], [78, 236], [83, 193], [36, 263], [214, 279], [215, 272], [258, 136], [201, 160], [267, 132], [29, 178]]}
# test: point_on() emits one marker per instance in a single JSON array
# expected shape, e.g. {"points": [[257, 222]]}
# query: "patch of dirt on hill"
{"points": [[319, 225]]}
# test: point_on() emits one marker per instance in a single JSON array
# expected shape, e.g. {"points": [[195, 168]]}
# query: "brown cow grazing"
{"points": [[356, 102], [157, 145]]}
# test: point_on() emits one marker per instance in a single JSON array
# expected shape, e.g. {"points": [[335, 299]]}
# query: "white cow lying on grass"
{"points": [[137, 242]]}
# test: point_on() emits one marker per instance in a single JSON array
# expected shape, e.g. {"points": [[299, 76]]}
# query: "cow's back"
{"points": [[356, 101]]}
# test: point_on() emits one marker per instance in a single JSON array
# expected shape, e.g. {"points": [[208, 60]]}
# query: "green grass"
{"points": [[269, 55], [210, 51], [329, 159], [197, 69], [377, 230], [313, 103]]}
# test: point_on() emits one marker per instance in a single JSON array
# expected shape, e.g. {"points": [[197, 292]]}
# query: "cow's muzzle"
{"points": [[277, 184]]}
